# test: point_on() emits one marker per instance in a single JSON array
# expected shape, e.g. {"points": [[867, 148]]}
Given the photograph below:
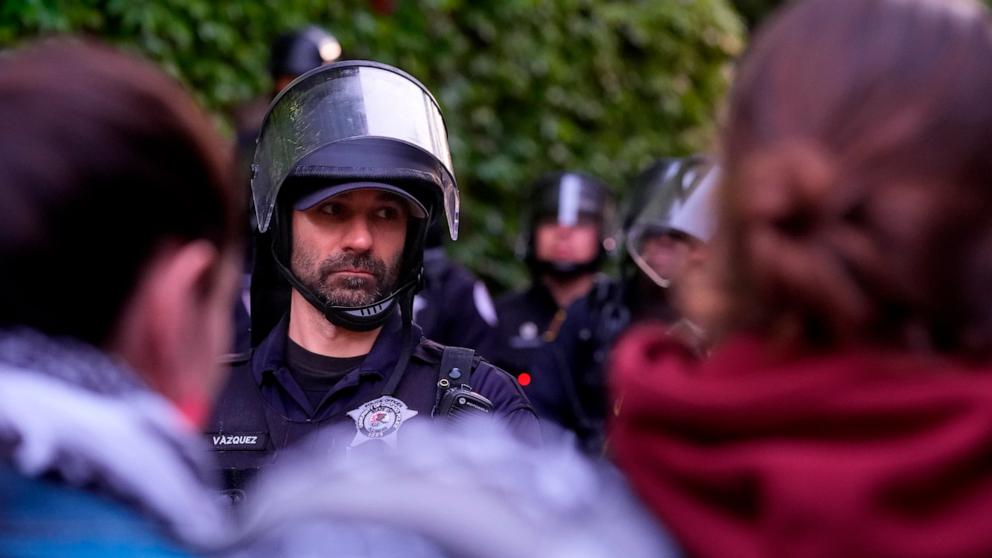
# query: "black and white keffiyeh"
{"points": [[71, 412]]}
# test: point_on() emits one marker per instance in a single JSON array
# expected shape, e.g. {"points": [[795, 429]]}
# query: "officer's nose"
{"points": [[564, 231], [358, 237]]}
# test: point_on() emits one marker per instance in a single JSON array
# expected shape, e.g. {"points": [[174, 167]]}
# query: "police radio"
{"points": [[456, 399], [459, 403]]}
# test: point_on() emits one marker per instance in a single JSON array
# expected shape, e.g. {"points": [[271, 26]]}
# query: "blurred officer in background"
{"points": [[351, 168], [120, 245], [669, 220], [566, 238], [454, 306], [292, 54]]}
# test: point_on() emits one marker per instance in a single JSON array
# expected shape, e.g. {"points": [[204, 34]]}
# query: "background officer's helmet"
{"points": [[568, 198], [674, 197], [297, 52]]}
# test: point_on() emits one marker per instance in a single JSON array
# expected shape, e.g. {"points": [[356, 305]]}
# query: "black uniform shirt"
{"points": [[528, 322], [580, 352], [263, 409], [524, 317], [316, 373]]}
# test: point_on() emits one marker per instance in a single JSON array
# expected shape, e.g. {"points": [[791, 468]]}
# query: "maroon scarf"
{"points": [[756, 454]]}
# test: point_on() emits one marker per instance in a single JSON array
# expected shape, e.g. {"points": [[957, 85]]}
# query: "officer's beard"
{"points": [[346, 290]]}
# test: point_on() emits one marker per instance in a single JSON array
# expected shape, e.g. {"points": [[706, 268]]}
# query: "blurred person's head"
{"points": [[119, 224], [858, 160]]}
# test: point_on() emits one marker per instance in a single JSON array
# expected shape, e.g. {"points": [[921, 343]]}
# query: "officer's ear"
{"points": [[177, 323]]}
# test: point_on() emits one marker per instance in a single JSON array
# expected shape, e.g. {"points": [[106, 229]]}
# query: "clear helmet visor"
{"points": [[348, 101], [676, 211], [570, 200]]}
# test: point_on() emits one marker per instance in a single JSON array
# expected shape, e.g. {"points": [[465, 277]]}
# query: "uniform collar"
{"points": [[270, 356], [540, 295]]}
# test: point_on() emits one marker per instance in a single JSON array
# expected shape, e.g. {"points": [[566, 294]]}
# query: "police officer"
{"points": [[351, 167], [669, 220], [565, 242], [454, 307]]}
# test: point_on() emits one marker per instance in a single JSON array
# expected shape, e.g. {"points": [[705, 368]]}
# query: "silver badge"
{"points": [[380, 419], [528, 330]]}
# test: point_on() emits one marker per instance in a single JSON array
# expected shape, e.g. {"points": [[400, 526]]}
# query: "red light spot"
{"points": [[523, 379]]}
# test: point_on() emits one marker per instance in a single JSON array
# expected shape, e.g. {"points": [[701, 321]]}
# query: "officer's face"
{"points": [[347, 249], [558, 243], [668, 255]]}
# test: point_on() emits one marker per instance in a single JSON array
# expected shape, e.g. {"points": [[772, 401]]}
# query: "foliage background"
{"points": [[526, 86]]}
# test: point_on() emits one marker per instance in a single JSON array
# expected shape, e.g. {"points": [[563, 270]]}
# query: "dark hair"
{"points": [[858, 164], [103, 160]]}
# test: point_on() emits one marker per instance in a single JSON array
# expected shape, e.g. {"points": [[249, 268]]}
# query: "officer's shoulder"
{"points": [[500, 386], [431, 352], [486, 378], [510, 299], [485, 369]]}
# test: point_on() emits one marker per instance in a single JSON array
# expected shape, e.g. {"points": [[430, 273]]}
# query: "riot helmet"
{"points": [[346, 126], [299, 51], [673, 200], [568, 199]]}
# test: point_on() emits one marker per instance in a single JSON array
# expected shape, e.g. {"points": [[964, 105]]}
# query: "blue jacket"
{"points": [[44, 518]]}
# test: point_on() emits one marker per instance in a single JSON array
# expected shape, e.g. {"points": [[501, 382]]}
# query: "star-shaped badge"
{"points": [[380, 419]]}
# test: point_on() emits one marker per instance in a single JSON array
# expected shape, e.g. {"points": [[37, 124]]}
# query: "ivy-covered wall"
{"points": [[526, 86]]}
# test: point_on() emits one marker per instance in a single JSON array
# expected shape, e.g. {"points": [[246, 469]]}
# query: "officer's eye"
{"points": [[388, 213], [332, 208]]}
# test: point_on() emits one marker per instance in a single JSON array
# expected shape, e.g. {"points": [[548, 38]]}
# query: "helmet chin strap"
{"points": [[353, 318], [367, 318]]}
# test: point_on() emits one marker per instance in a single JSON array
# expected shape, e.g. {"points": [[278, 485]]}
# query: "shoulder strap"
{"points": [[457, 365]]}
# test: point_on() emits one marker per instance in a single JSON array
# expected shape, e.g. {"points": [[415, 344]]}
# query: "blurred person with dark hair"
{"points": [[668, 221], [119, 245], [847, 408], [567, 234]]}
